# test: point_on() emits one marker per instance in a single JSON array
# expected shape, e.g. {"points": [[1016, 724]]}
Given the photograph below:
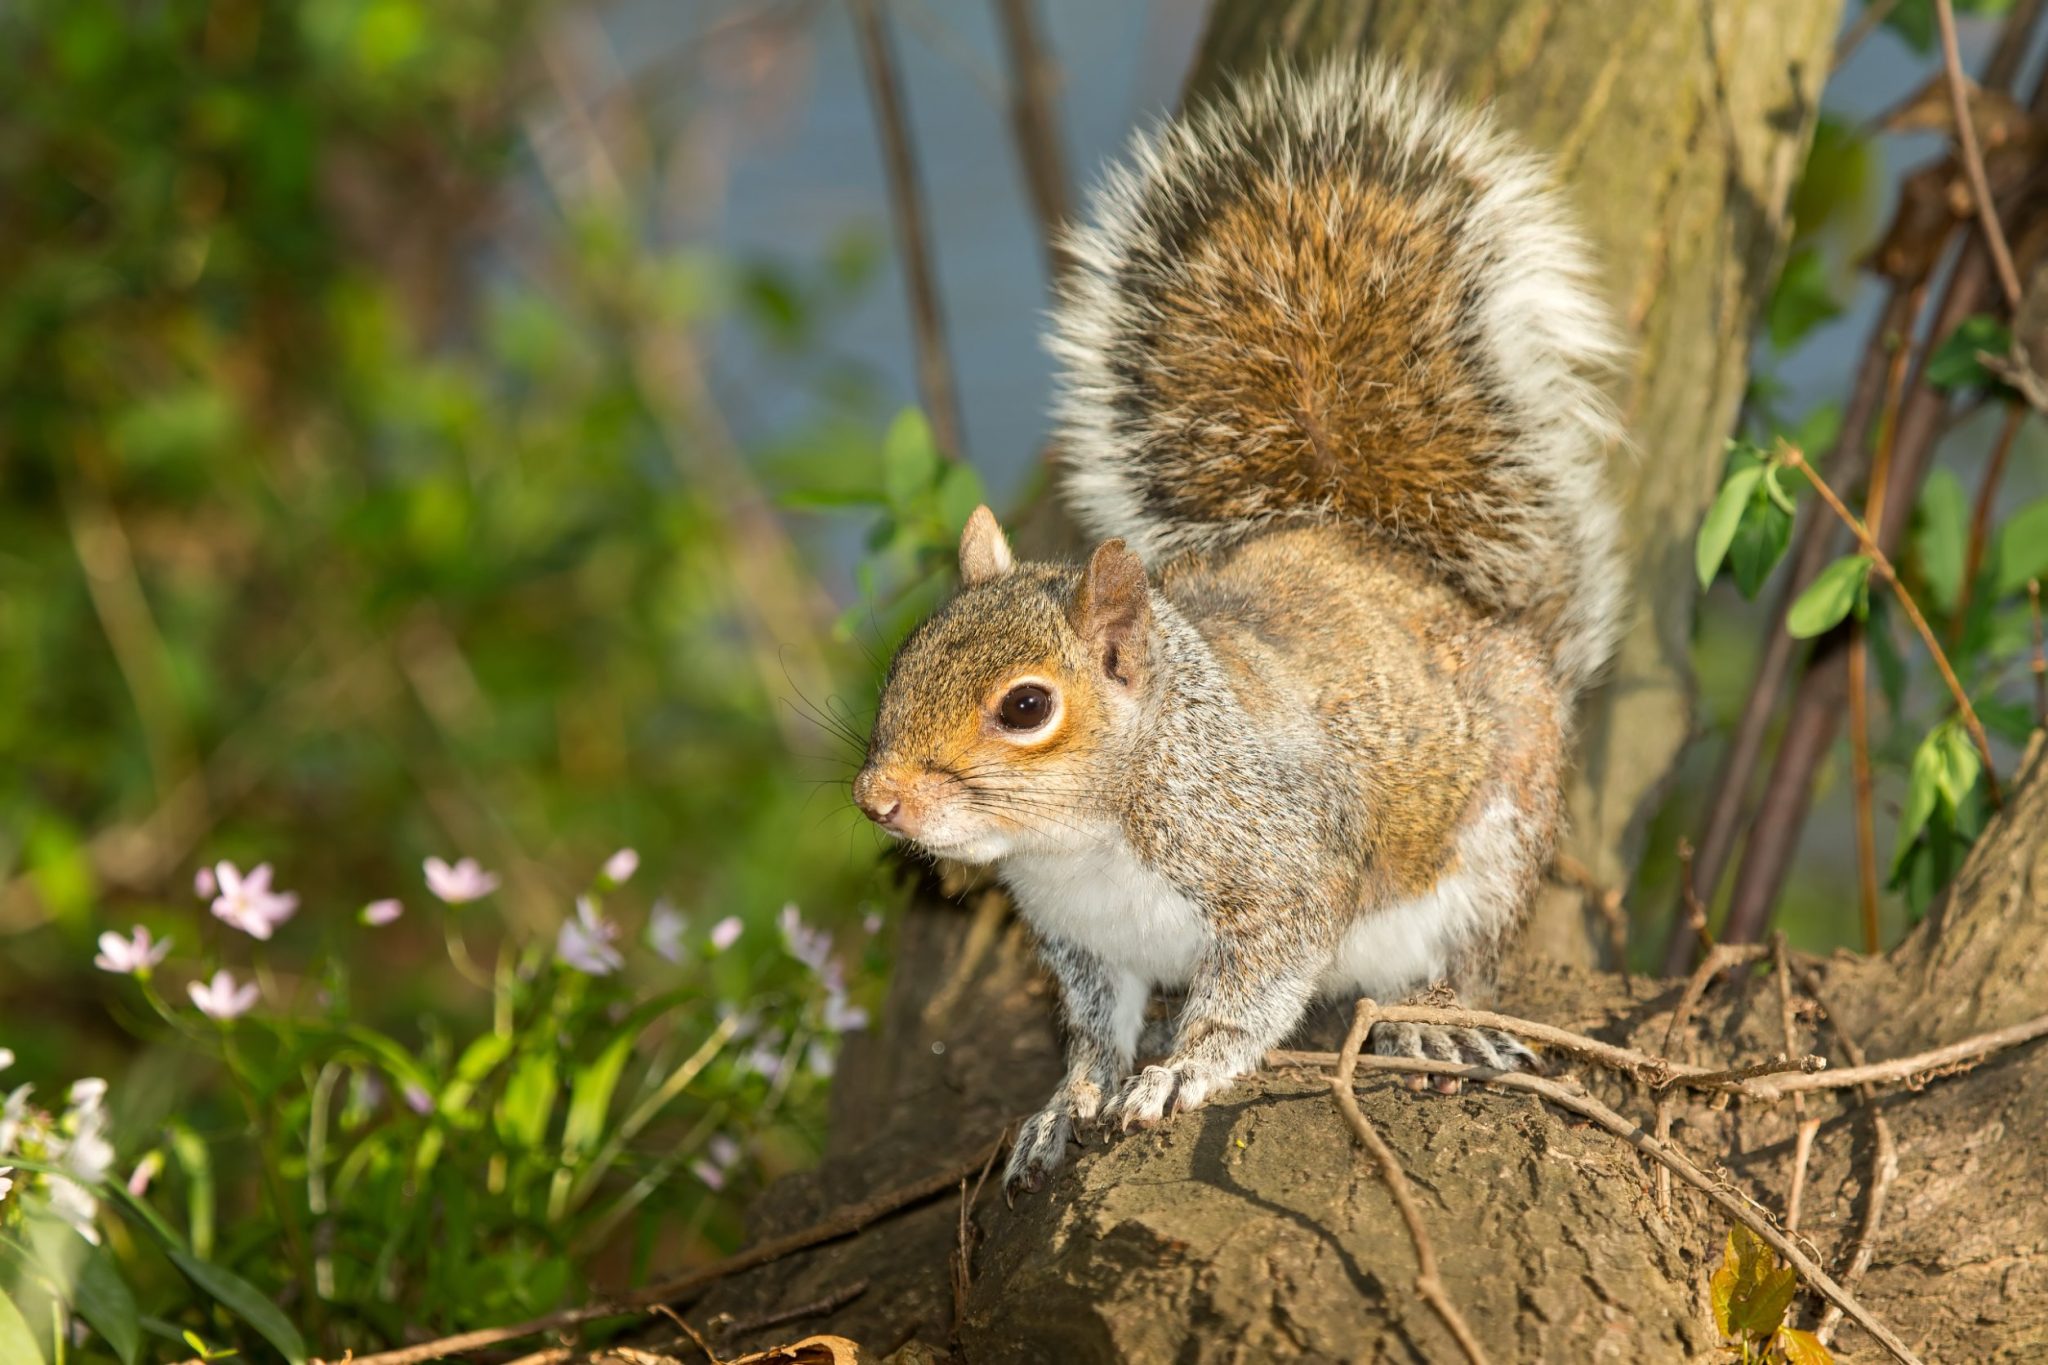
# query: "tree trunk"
{"points": [[1254, 1229]]}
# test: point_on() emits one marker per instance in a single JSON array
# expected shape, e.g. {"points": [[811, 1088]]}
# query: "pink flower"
{"points": [[585, 942], [620, 867], [725, 933], [871, 923], [841, 1017], [377, 914], [417, 1099], [221, 998], [203, 884], [460, 884], [812, 947], [712, 1177], [248, 903], [145, 1171], [135, 955]]}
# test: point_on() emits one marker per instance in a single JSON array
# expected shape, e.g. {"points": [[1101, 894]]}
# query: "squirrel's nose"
{"points": [[878, 800]]}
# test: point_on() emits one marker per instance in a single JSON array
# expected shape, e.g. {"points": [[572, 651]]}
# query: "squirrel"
{"points": [[1297, 730]]}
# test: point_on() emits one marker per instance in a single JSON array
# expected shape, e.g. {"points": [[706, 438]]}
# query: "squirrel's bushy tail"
{"points": [[1334, 296]]}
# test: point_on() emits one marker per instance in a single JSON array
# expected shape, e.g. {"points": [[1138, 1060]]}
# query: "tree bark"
{"points": [[1254, 1228]]}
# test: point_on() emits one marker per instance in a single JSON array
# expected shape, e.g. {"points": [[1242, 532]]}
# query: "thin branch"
{"points": [[1428, 1283], [1742, 1211], [1884, 1169], [1864, 793], [913, 238], [1781, 969], [843, 1223], [1973, 155], [1802, 1154], [2039, 667], [731, 1328], [1913, 1071], [1719, 959], [1035, 124], [1980, 515], [1866, 24], [1811, 534], [1883, 565]]}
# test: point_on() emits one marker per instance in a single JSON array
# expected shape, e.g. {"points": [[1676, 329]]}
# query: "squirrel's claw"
{"points": [[1040, 1147], [1159, 1092]]}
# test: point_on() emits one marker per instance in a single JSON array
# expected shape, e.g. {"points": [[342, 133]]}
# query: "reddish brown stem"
{"points": [[1881, 564], [1980, 515], [1859, 762]]}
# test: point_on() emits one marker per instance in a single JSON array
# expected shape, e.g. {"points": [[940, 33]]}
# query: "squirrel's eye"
{"points": [[1025, 707]]}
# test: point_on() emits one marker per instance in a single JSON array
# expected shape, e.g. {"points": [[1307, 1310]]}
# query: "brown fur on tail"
{"points": [[1333, 297]]}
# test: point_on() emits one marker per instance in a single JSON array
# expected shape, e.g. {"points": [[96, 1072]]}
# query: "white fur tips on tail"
{"points": [[1333, 295]]}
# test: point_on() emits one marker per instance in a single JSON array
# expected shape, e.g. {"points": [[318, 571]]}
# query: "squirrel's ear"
{"points": [[984, 554], [1112, 611]]}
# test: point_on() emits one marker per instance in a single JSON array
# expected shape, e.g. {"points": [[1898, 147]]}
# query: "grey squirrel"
{"points": [[1298, 727]]}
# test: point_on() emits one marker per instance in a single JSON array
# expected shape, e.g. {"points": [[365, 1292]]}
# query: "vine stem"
{"points": [[1883, 565], [1973, 156], [1428, 1283]]}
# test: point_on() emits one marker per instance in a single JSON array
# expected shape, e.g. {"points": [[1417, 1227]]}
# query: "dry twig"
{"points": [[1884, 1168], [729, 1328], [913, 238], [1428, 1283], [844, 1223], [1911, 1071], [1741, 1210], [1973, 155]]}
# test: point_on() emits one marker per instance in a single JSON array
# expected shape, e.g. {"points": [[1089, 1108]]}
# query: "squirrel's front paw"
{"points": [[1442, 1043], [1158, 1092], [1040, 1147]]}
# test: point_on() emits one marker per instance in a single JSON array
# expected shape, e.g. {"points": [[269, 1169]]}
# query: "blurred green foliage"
{"points": [[363, 496]]}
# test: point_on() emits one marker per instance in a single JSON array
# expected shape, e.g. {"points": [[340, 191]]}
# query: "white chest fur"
{"points": [[1106, 900]]}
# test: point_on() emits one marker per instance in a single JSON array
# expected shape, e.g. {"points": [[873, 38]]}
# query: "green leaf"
{"points": [[1802, 1348], [1939, 534], [1954, 363], [1804, 299], [195, 1160], [1923, 788], [17, 1342], [1960, 767], [2022, 551], [960, 492], [529, 1099], [1884, 652], [242, 1299], [1717, 532], [1823, 605], [910, 462], [1761, 1311], [104, 1300], [1759, 544]]}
